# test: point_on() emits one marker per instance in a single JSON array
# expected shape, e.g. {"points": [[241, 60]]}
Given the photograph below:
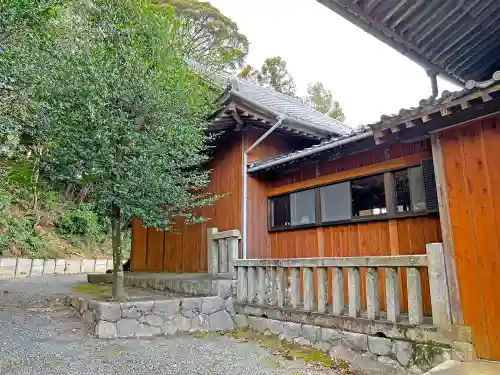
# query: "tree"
{"points": [[321, 100], [113, 105], [208, 36], [272, 74]]}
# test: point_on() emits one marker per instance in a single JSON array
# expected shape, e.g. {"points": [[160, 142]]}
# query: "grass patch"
{"points": [[206, 335], [310, 355], [92, 289], [270, 361], [316, 358]]}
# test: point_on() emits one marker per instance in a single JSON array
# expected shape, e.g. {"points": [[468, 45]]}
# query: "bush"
{"points": [[81, 221]]}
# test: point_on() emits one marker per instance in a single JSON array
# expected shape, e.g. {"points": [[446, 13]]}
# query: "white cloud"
{"points": [[367, 77]]}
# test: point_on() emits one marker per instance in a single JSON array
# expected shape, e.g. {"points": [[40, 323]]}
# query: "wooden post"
{"points": [[372, 300], [445, 220], [295, 292], [322, 289], [354, 290], [440, 300], [338, 291], [252, 284], [242, 288], [212, 252], [392, 294], [261, 285], [281, 284], [308, 289], [415, 313]]}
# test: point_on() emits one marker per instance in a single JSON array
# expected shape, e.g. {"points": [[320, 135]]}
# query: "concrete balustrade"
{"points": [[223, 250], [11, 268], [265, 281]]}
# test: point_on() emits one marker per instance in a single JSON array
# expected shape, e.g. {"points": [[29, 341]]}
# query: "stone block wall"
{"points": [[11, 268], [394, 353], [156, 317]]}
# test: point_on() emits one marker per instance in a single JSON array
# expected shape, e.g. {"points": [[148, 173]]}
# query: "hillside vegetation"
{"points": [[36, 222]]}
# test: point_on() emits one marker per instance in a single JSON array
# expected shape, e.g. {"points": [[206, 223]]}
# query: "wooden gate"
{"points": [[471, 156]]}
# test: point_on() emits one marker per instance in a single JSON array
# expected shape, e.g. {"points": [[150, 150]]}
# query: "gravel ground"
{"points": [[41, 336]]}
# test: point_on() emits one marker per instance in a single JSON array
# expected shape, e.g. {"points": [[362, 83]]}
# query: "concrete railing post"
{"points": [[438, 284], [372, 300], [392, 294], [415, 313], [242, 287], [308, 289], [281, 285], [322, 289], [252, 284], [233, 250], [338, 291], [261, 285], [223, 256], [354, 290], [212, 252], [272, 285], [295, 292]]}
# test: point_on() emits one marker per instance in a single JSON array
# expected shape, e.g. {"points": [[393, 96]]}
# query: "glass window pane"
{"points": [[368, 196], [417, 188], [280, 211], [335, 202], [303, 207], [402, 182]]}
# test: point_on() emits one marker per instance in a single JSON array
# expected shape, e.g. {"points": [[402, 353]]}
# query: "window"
{"points": [[280, 211], [303, 207], [368, 196], [410, 190], [293, 209], [335, 202]]}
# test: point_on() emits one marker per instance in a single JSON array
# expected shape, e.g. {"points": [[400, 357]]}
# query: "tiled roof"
{"points": [[457, 38], [274, 101], [473, 90], [289, 106]]}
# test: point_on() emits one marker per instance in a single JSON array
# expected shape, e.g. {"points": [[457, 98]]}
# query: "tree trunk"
{"points": [[116, 239]]}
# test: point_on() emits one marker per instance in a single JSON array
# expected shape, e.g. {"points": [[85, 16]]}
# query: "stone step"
{"points": [[466, 368]]}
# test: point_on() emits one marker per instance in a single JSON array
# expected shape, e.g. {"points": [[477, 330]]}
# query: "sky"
{"points": [[367, 77]]}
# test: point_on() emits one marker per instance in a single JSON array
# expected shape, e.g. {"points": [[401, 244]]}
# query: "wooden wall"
{"points": [[185, 249], [390, 237], [471, 156]]}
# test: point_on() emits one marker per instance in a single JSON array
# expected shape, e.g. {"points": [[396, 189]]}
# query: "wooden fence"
{"points": [[266, 281]]}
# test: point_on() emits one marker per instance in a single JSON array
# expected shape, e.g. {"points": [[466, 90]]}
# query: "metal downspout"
{"points": [[245, 182]]}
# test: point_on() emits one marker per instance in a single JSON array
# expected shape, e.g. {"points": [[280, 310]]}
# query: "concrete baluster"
{"points": [[392, 294], [372, 300], [295, 292], [308, 289], [354, 290], [322, 289], [338, 291], [415, 313]]}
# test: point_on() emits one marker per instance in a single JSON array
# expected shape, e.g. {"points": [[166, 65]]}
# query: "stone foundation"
{"points": [[155, 318], [208, 306], [397, 353]]}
